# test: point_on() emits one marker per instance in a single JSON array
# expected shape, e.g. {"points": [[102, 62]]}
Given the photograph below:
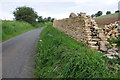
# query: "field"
{"points": [[59, 56], [107, 19], [14, 28]]}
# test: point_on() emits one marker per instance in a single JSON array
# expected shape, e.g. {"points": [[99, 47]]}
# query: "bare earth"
{"points": [[18, 55]]}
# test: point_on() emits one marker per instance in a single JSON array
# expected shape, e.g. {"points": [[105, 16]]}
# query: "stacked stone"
{"points": [[91, 31], [97, 37], [73, 27], [84, 29], [103, 43], [111, 31]]}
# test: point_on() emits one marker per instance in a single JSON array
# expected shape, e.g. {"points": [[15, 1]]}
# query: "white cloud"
{"points": [[81, 1], [57, 8], [43, 0]]}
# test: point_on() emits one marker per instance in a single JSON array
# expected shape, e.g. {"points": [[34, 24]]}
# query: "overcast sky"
{"points": [[57, 8]]}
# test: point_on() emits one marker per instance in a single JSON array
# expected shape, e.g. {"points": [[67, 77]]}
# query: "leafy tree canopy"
{"points": [[108, 12], [118, 11], [99, 13], [25, 14]]}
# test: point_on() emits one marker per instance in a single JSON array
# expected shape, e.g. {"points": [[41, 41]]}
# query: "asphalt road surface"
{"points": [[18, 55]]}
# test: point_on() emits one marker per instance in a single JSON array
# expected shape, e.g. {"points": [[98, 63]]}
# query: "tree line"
{"points": [[99, 13], [28, 14]]}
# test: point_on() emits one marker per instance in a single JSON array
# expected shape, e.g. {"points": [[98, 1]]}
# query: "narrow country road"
{"points": [[18, 55]]}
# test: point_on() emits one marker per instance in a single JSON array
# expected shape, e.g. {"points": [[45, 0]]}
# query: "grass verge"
{"points": [[14, 28], [59, 56]]}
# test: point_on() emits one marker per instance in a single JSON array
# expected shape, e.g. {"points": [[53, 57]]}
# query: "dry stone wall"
{"points": [[84, 29], [75, 31]]}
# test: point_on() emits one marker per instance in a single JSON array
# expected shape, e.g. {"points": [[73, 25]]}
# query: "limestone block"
{"points": [[72, 15], [102, 36], [106, 43], [112, 51], [94, 47], [102, 46], [114, 45], [92, 42], [95, 39]]}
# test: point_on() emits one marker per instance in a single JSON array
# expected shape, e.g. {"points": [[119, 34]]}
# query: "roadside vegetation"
{"points": [[25, 19], [59, 56], [29, 15], [14, 28], [0, 31]]}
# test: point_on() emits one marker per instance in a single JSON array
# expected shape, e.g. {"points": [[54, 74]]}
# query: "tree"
{"points": [[93, 15], [118, 11], [25, 14], [45, 19], [52, 19], [99, 13], [49, 19], [108, 12], [40, 19]]}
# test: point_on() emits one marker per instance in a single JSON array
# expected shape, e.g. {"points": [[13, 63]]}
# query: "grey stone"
{"points": [[116, 49], [112, 51], [72, 15], [102, 46], [110, 56]]}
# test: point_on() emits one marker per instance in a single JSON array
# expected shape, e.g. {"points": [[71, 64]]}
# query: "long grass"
{"points": [[59, 56], [14, 28]]}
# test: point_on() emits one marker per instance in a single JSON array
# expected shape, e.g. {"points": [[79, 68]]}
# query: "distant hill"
{"points": [[107, 19]]}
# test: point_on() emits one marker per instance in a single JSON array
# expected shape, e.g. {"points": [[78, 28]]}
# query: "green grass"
{"points": [[117, 41], [109, 16], [14, 28], [59, 56]]}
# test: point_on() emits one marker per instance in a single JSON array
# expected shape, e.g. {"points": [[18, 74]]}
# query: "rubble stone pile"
{"points": [[84, 29], [111, 31]]}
